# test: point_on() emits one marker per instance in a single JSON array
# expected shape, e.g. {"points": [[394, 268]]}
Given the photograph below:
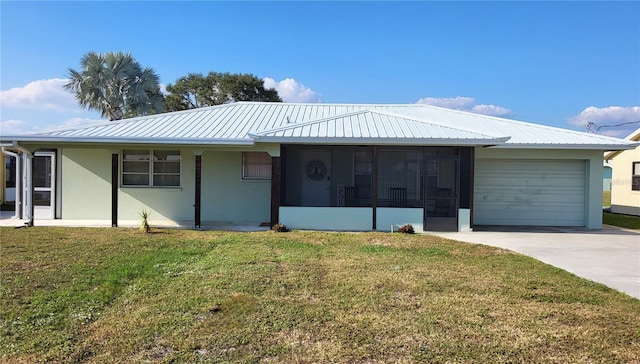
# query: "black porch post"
{"points": [[198, 197], [31, 191], [114, 190], [374, 186], [275, 190], [472, 174], [466, 180]]}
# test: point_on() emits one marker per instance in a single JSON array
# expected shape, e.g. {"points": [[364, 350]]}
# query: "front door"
{"points": [[441, 194], [316, 180], [44, 185]]}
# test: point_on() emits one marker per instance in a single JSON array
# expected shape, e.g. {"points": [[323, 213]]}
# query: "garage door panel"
{"points": [[540, 200], [529, 192], [568, 183]]}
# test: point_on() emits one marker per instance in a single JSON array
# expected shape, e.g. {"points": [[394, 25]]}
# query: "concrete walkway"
{"points": [[610, 256]]}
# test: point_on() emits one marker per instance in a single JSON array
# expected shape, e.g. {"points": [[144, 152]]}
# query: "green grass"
{"points": [[625, 221], [606, 198], [117, 295]]}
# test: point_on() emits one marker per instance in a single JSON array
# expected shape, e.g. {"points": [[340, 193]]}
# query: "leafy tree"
{"points": [[195, 90], [116, 85]]}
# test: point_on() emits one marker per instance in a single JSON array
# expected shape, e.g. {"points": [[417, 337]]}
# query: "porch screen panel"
{"points": [[362, 175], [399, 178]]}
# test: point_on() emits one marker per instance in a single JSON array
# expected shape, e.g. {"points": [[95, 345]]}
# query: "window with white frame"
{"points": [[635, 176], [256, 165], [151, 168]]}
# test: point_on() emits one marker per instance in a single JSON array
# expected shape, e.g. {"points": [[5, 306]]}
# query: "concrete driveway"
{"points": [[610, 256]]}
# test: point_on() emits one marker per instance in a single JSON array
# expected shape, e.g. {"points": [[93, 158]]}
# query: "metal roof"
{"points": [[373, 127], [251, 122]]}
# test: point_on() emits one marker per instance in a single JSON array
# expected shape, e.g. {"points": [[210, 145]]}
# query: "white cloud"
{"points": [[466, 104], [609, 118], [291, 90], [163, 89], [40, 95], [21, 127], [16, 127], [79, 121]]}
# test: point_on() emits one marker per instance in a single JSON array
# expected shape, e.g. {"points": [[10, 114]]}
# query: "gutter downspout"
{"points": [[18, 205], [27, 177]]}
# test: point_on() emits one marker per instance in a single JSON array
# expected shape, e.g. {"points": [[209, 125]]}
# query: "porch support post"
{"points": [[275, 190], [30, 190], [465, 181], [374, 186], [114, 190], [198, 197], [472, 176]]}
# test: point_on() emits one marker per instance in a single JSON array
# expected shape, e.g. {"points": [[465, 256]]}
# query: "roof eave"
{"points": [[117, 140], [603, 147]]}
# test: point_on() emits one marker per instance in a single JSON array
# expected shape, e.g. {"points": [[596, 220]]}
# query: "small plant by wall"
{"points": [[144, 224], [280, 228], [406, 229]]}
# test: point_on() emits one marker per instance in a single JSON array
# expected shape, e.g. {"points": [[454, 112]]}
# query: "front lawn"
{"points": [[625, 221], [116, 295], [606, 198]]}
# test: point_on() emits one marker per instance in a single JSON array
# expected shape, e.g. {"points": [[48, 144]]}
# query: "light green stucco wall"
{"points": [[326, 218], [86, 189], [592, 158], [164, 203], [228, 197], [86, 184], [386, 217]]}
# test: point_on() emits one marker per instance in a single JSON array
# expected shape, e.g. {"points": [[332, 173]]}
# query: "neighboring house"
{"points": [[606, 177], [625, 180], [317, 166]]}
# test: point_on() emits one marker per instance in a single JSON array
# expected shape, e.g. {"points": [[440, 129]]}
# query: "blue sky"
{"points": [[554, 63]]}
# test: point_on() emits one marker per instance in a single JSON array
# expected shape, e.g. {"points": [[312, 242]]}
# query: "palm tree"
{"points": [[116, 85]]}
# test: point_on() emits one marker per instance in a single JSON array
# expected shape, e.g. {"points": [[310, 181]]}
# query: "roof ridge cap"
{"points": [[436, 123], [363, 111], [305, 123]]}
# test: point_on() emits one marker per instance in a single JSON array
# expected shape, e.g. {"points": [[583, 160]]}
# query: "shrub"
{"points": [[280, 228], [406, 229], [144, 224]]}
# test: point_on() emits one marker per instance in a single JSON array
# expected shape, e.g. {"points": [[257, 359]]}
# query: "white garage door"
{"points": [[529, 192]]}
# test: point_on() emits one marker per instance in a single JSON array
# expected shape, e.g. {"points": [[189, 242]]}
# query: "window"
{"points": [[10, 167], [151, 168], [635, 176], [256, 165]]}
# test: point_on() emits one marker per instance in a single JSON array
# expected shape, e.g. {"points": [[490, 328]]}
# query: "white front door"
{"points": [[44, 185], [316, 180]]}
